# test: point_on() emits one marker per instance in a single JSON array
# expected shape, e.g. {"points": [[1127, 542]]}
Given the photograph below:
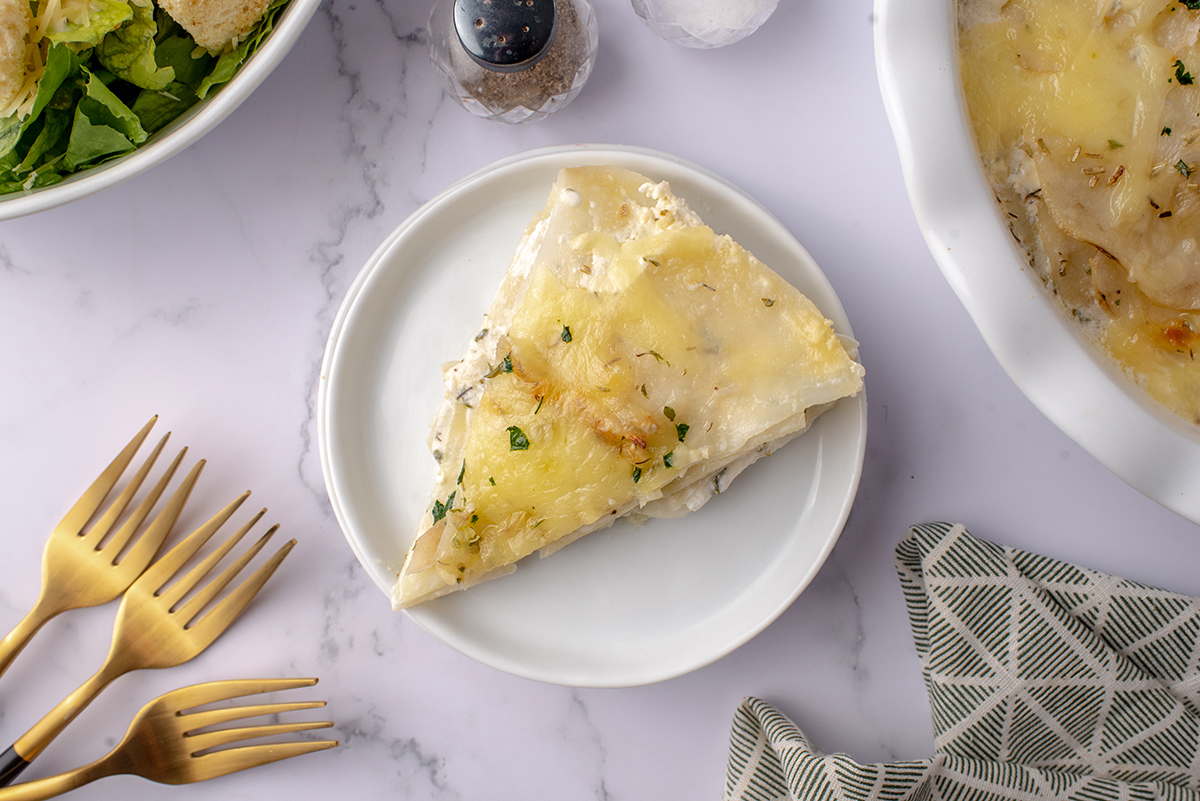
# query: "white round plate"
{"points": [[621, 607], [177, 135], [1062, 374]]}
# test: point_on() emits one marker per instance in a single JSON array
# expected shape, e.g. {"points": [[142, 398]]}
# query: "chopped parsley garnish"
{"points": [[566, 333], [1166, 131], [660, 358], [681, 429], [669, 459], [517, 441], [491, 481], [1194, 5], [462, 472], [440, 509], [505, 366], [474, 520], [481, 334], [637, 474], [541, 400], [1182, 75], [1184, 169], [1113, 144], [655, 263], [669, 412]]}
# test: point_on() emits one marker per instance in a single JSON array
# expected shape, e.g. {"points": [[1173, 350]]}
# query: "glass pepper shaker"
{"points": [[513, 60], [704, 23]]}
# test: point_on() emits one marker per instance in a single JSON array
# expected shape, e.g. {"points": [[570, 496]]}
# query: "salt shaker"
{"points": [[513, 60], [704, 23]]}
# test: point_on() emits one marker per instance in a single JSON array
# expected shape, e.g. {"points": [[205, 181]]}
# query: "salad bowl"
{"points": [[178, 134]]}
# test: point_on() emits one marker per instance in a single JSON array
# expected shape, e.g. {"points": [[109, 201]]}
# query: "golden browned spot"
{"points": [[1178, 334]]}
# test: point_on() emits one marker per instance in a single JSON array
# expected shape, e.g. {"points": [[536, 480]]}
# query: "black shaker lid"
{"points": [[506, 35]]}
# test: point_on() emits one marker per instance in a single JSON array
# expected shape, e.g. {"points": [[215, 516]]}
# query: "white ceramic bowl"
{"points": [[180, 132], [623, 606], [1062, 374]]}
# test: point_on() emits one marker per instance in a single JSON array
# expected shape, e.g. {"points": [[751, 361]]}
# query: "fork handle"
{"points": [[11, 765], [52, 786], [34, 741], [21, 634]]}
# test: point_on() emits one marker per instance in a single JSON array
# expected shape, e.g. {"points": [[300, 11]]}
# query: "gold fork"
{"points": [[164, 742], [79, 569], [156, 627]]}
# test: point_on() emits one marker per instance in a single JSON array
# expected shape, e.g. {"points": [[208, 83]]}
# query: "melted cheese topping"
{"points": [[1087, 117], [632, 351]]}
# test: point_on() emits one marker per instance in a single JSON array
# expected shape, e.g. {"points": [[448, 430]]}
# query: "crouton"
{"points": [[15, 23], [214, 24]]}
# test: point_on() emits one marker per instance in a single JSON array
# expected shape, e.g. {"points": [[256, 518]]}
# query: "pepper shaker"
{"points": [[704, 23], [513, 60]]}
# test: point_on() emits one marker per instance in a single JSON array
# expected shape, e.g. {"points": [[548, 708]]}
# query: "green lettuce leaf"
{"points": [[103, 126], [90, 142], [50, 141], [129, 52], [55, 90], [175, 49], [61, 63], [102, 107], [109, 17], [156, 109], [38, 179], [10, 134], [231, 60]]}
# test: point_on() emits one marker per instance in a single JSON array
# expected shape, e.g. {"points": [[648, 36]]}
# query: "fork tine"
{"points": [[228, 610], [159, 573], [148, 545], [215, 717], [216, 739], [193, 607], [118, 541], [222, 763], [104, 524], [90, 501], [183, 586], [199, 695]]}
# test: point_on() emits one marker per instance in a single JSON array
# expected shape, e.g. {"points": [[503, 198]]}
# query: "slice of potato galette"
{"points": [[633, 362]]}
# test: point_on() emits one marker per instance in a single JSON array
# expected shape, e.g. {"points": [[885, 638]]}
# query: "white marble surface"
{"points": [[203, 291]]}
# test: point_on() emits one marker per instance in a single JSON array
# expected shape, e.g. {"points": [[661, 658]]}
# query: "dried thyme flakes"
{"points": [[531, 88]]}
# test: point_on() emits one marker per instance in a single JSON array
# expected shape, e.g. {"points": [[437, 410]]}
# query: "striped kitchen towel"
{"points": [[1046, 680]]}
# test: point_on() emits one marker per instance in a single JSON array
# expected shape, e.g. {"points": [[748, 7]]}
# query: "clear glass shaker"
{"points": [[704, 23], [513, 60]]}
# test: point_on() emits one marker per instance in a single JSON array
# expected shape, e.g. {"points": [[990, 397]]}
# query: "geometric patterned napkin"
{"points": [[1046, 680]]}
